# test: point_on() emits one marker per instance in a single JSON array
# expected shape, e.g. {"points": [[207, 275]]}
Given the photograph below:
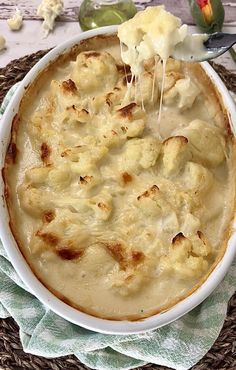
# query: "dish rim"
{"points": [[20, 264]]}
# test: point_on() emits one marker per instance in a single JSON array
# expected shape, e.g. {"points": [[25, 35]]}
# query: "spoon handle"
{"points": [[220, 40]]}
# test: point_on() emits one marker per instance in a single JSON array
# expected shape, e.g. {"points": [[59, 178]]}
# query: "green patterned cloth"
{"points": [[178, 345]]}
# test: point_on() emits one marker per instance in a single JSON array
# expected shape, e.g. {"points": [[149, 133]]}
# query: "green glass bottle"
{"points": [[99, 13]]}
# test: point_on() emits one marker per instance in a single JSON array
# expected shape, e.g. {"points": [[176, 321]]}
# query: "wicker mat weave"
{"points": [[222, 355]]}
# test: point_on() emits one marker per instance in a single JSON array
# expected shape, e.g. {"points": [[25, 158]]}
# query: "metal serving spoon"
{"points": [[200, 47]]}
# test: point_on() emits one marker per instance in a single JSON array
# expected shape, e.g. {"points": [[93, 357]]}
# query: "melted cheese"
{"points": [[120, 223]]}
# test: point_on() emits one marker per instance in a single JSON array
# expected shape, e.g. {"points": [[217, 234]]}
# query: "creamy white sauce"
{"points": [[192, 48]]}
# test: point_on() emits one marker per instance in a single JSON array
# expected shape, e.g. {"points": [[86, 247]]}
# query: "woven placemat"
{"points": [[222, 355]]}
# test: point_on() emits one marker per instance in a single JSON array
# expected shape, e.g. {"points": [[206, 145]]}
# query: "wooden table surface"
{"points": [[29, 39]]}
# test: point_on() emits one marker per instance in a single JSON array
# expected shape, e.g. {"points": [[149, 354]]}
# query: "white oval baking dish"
{"points": [[20, 264]]}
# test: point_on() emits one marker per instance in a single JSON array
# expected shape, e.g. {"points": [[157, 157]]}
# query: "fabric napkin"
{"points": [[178, 345]]}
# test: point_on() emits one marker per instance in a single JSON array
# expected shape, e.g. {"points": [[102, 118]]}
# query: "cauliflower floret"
{"points": [[172, 69], [15, 22], [207, 143], [66, 94], [170, 97], [197, 178], [111, 138], [150, 147], [140, 153], [186, 256], [184, 200], [129, 121], [193, 266], [49, 10], [147, 89], [94, 70], [100, 104], [89, 180], [133, 128], [150, 32], [173, 65], [130, 160], [116, 96], [106, 103], [143, 90], [200, 245], [175, 153], [187, 91], [184, 92], [85, 156], [170, 80], [126, 122], [153, 203]]}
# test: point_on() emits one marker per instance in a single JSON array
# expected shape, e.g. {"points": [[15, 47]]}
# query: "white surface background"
{"points": [[29, 39]]}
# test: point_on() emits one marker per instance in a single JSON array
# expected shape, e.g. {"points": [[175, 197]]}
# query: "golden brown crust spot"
{"points": [[69, 254], [137, 257], [103, 206], [11, 153], [12, 149], [178, 239], [202, 237], [48, 216], [153, 190], [84, 111], [69, 86], [92, 54], [45, 152], [73, 107], [48, 238], [126, 177], [124, 258], [116, 249], [127, 111], [108, 99], [7, 192], [85, 179], [15, 125], [123, 68], [181, 139]]}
